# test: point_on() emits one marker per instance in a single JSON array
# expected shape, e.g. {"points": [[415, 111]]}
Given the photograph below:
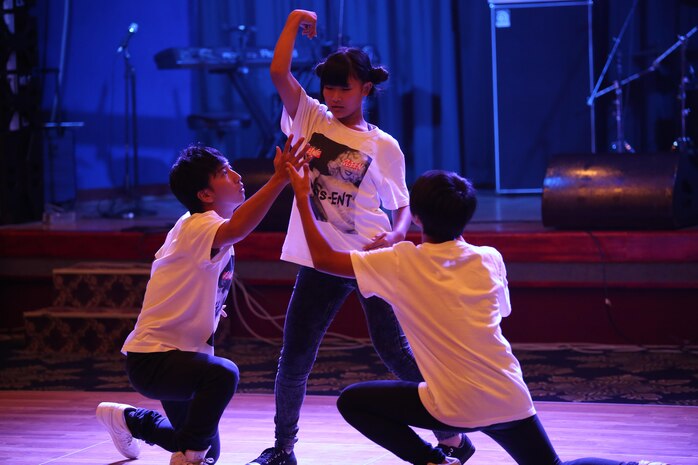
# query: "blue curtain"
{"points": [[437, 102]]}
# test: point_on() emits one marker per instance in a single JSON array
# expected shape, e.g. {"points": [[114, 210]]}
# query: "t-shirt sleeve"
{"points": [[198, 237], [309, 109], [503, 285], [391, 184], [286, 122], [375, 271]]}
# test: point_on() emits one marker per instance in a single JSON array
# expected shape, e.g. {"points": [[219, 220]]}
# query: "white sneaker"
{"points": [[111, 415], [448, 461], [191, 457]]}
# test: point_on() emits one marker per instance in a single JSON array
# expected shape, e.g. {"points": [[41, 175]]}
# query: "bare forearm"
{"points": [[283, 52], [325, 258], [402, 220], [248, 216]]}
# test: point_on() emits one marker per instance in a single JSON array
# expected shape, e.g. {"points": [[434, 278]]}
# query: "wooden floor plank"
{"points": [[59, 428]]}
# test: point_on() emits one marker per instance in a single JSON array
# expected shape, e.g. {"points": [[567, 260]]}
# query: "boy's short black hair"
{"points": [[444, 202], [191, 173]]}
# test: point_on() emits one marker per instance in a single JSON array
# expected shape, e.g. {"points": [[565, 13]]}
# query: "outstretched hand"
{"points": [[300, 180], [290, 156], [384, 239]]}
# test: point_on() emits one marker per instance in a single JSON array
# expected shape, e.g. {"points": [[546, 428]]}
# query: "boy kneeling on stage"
{"points": [[170, 352], [449, 297]]}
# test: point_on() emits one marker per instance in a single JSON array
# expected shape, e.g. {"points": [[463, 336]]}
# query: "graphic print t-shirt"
{"points": [[336, 176], [353, 174], [225, 281], [188, 285]]}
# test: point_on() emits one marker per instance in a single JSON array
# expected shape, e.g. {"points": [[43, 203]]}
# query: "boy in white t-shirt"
{"points": [[169, 353], [449, 296]]}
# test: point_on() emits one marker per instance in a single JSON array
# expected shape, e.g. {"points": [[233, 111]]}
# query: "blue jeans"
{"points": [[315, 301], [194, 390], [384, 412]]}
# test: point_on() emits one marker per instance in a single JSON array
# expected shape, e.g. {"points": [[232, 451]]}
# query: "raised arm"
{"points": [[325, 258], [287, 86], [252, 211]]}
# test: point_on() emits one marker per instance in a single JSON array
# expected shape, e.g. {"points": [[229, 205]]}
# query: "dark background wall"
{"points": [[438, 102]]}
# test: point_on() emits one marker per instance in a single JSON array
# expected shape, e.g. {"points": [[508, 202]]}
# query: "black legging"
{"points": [[384, 412]]}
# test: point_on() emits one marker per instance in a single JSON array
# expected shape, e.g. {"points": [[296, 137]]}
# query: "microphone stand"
{"points": [[616, 43], [620, 145], [683, 144], [131, 187]]}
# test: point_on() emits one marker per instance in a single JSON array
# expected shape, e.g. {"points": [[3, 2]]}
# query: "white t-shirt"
{"points": [[187, 289], [449, 299], [353, 174]]}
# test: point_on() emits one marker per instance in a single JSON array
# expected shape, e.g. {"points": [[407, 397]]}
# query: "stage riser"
{"points": [[94, 308], [102, 284], [76, 331], [95, 305], [535, 246], [60, 330], [539, 315]]}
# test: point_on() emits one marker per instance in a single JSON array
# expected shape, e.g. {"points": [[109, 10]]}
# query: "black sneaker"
{"points": [[274, 456], [462, 452]]}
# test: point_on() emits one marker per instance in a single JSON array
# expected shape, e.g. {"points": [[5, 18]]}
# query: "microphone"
{"points": [[132, 29]]}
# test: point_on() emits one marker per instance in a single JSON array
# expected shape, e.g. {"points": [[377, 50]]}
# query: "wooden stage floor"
{"points": [[59, 428]]}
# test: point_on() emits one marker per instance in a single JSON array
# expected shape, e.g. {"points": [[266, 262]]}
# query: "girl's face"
{"points": [[346, 102]]}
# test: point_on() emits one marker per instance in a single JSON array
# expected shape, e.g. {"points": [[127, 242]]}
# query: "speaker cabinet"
{"points": [[621, 191], [542, 73]]}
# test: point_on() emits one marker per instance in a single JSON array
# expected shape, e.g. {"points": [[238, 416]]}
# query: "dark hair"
{"points": [[444, 202], [191, 172], [337, 67]]}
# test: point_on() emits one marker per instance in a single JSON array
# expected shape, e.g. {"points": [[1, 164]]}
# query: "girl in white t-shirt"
{"points": [[357, 171]]}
